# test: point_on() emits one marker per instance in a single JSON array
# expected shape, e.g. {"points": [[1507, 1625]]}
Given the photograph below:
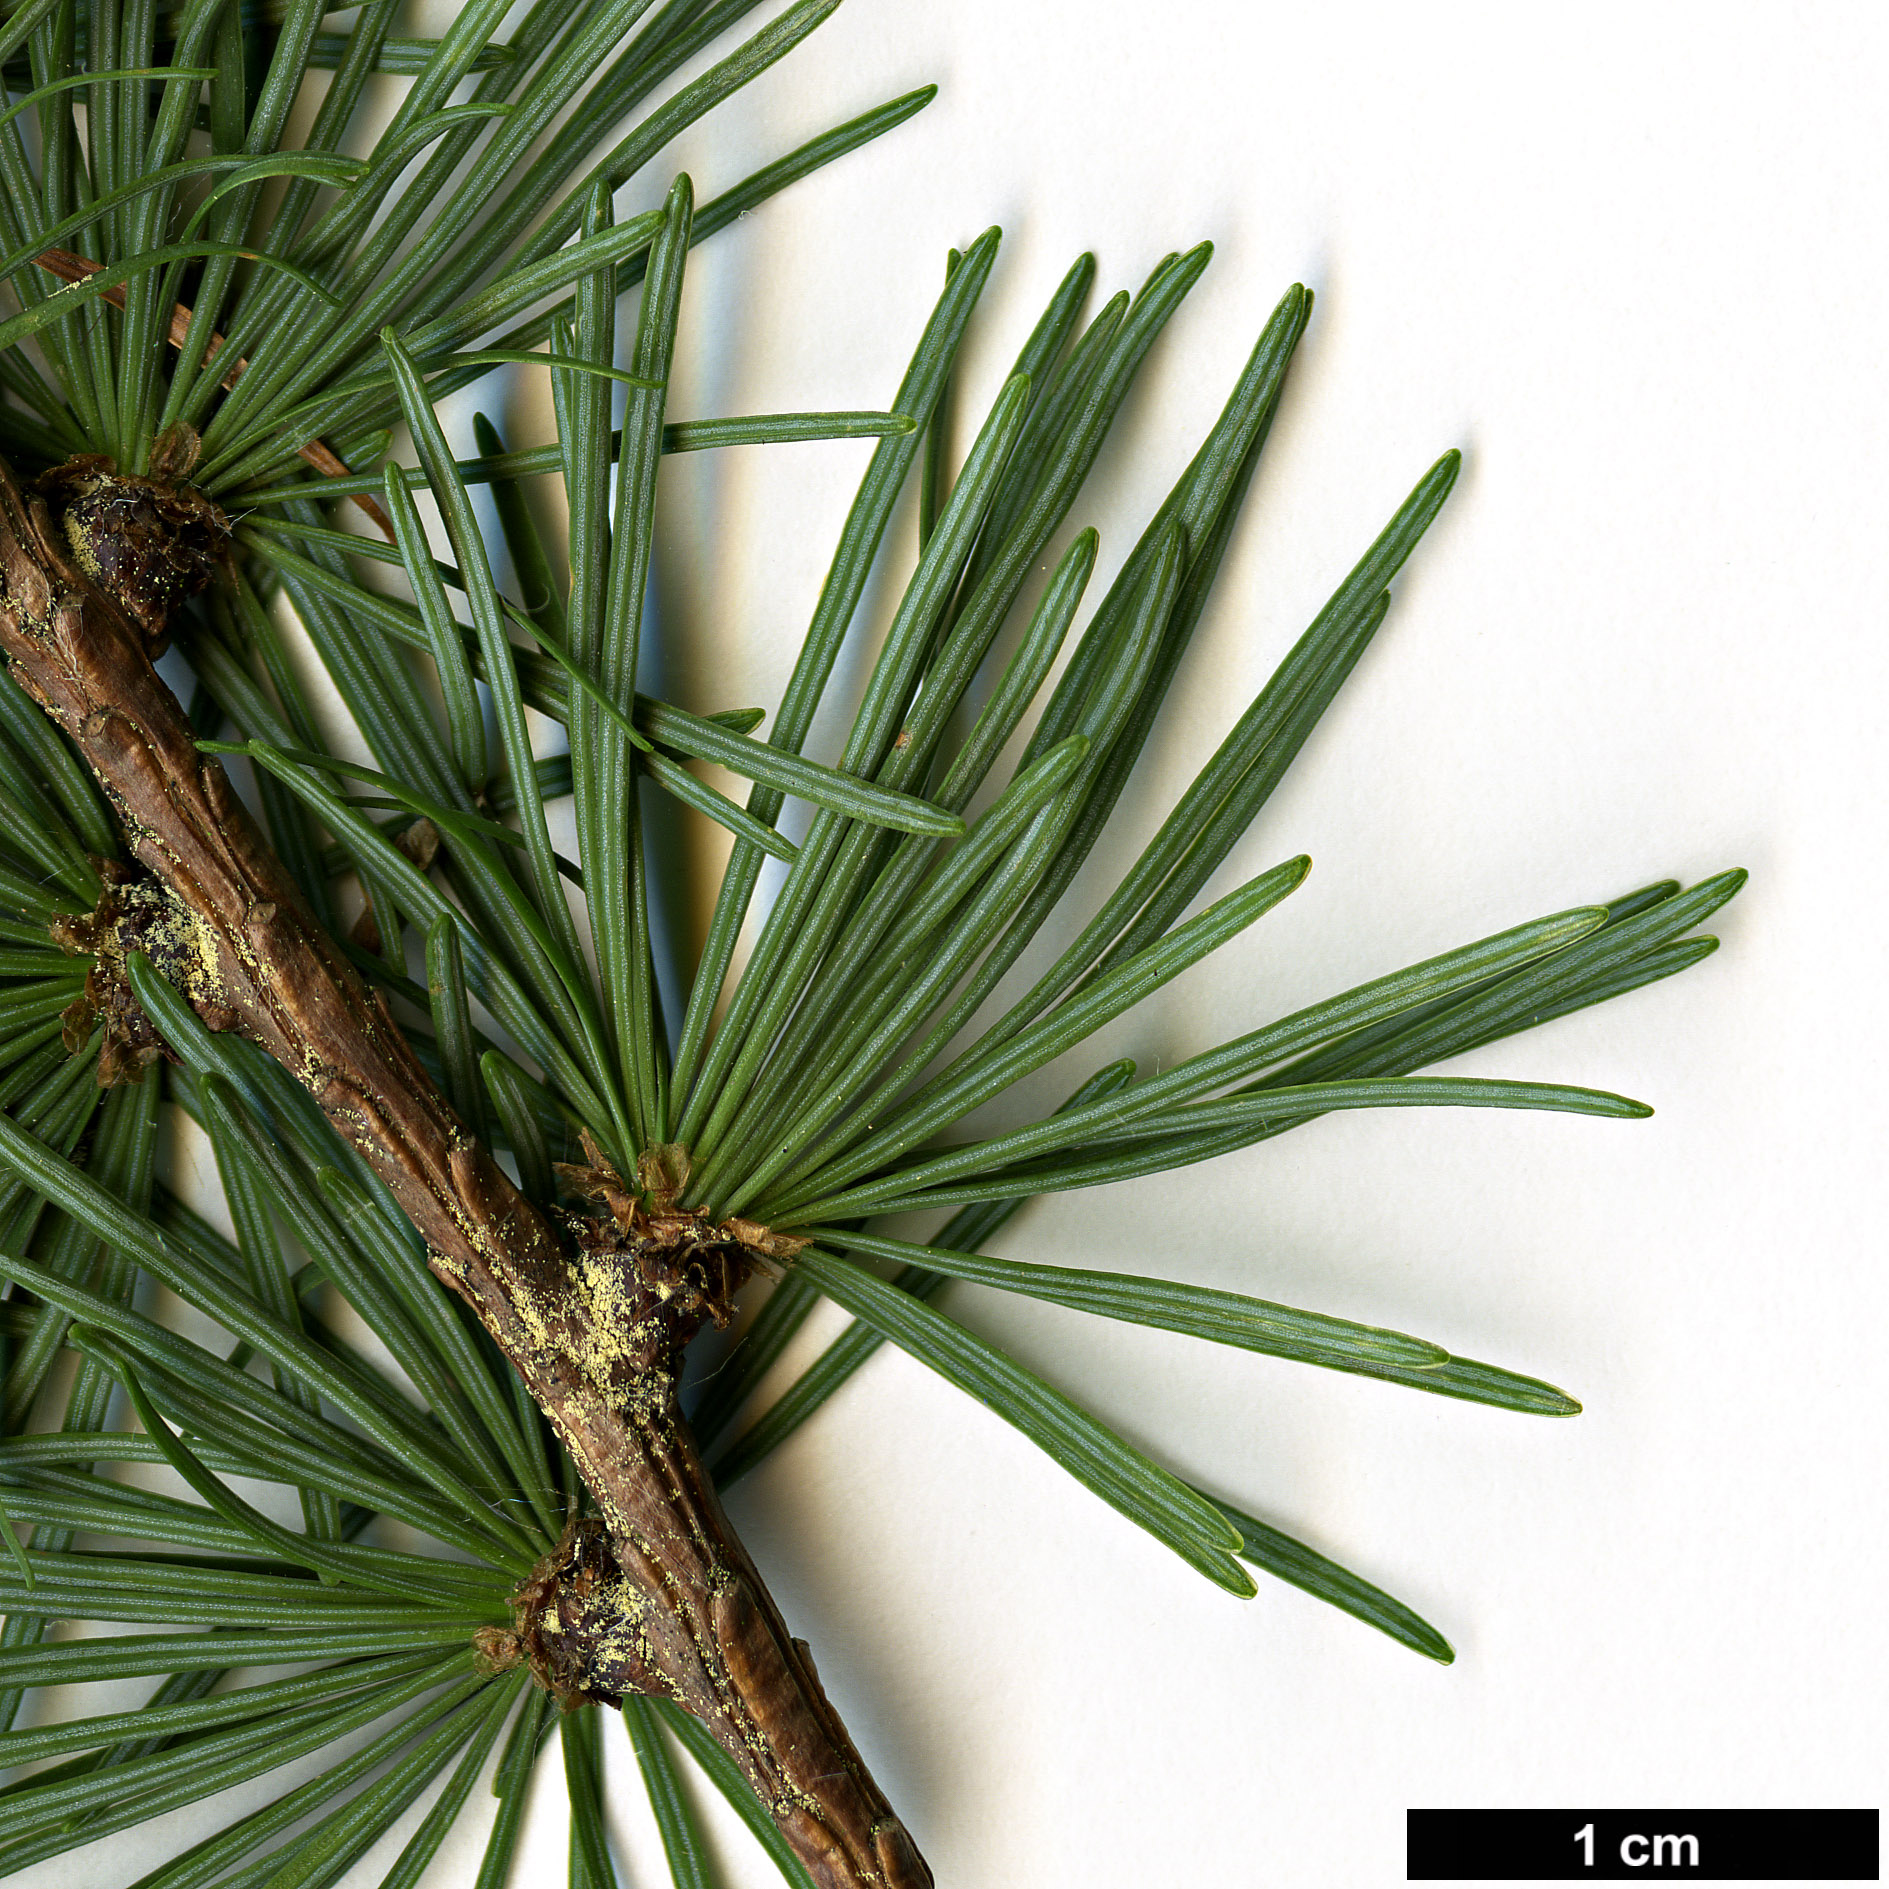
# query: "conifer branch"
{"points": [[656, 1595]]}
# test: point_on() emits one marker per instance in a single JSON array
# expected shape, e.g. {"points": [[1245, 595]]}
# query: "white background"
{"points": [[1625, 257]]}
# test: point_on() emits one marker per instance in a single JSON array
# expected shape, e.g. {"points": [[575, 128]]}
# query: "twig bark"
{"points": [[655, 1594]]}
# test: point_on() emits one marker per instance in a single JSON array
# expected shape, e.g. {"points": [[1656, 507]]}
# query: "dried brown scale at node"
{"points": [[693, 1264], [151, 543], [135, 912], [577, 1624], [647, 1274]]}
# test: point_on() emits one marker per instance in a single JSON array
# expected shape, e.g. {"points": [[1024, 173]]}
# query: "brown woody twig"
{"points": [[653, 1594]]}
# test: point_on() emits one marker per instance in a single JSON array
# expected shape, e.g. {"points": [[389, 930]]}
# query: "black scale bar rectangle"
{"points": [[1635, 1845]]}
